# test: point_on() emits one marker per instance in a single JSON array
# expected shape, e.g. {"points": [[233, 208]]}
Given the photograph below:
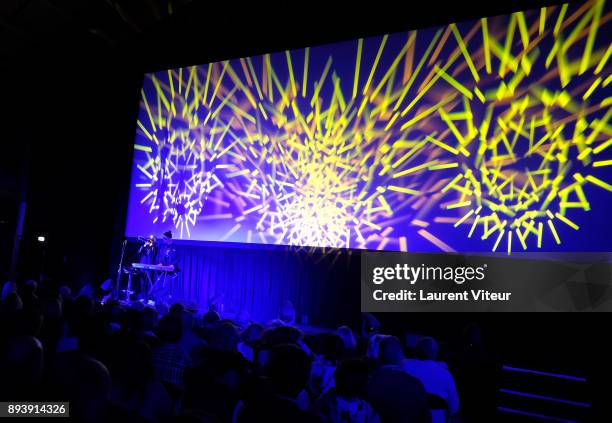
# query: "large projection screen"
{"points": [[492, 134]]}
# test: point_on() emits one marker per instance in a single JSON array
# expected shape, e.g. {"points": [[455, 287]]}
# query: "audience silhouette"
{"points": [[130, 362]]}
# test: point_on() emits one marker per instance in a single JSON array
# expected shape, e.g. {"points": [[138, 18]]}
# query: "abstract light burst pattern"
{"points": [[493, 132], [533, 133], [335, 171], [175, 155]]}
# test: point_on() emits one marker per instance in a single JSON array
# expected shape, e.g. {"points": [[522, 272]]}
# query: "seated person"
{"points": [[326, 355], [434, 376], [170, 359], [276, 398], [396, 396], [345, 403]]}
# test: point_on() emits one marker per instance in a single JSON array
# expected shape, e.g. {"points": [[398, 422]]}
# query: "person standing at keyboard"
{"points": [[147, 254], [167, 251], [148, 251], [166, 256]]}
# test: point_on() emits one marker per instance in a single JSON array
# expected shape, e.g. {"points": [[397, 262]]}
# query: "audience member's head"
{"points": [[11, 303], [330, 347], [275, 323], [51, 308], [215, 373], [133, 366], [390, 351], [426, 349], [252, 333], [170, 329], [107, 285], [132, 322], [117, 312], [243, 318], [92, 334], [211, 317], [161, 308], [88, 290], [225, 336], [31, 286], [374, 345], [21, 367], [149, 315], [288, 369], [348, 338], [83, 306], [65, 293], [287, 313], [214, 304], [137, 305], [27, 292], [29, 322], [176, 309], [282, 335], [8, 288], [369, 325], [351, 378], [86, 383]]}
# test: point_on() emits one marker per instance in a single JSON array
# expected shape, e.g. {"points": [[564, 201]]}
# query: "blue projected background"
{"points": [[478, 136]]}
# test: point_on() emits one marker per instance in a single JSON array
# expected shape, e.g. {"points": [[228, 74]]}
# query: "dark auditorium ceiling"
{"points": [[171, 30], [34, 24]]}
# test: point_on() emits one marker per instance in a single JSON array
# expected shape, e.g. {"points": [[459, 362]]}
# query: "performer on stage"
{"points": [[148, 251], [161, 290], [147, 254], [167, 251], [156, 267]]}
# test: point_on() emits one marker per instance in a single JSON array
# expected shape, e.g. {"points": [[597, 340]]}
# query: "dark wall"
{"points": [[78, 116]]}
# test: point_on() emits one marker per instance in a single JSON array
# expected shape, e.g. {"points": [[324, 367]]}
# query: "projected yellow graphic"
{"points": [[491, 134]]}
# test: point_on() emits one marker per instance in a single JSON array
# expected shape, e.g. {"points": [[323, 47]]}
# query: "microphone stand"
{"points": [[120, 268]]}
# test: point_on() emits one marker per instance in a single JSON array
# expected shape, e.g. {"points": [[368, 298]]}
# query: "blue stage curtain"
{"points": [[259, 280]]}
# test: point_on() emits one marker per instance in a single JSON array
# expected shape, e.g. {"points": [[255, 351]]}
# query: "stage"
{"points": [[255, 281]]}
